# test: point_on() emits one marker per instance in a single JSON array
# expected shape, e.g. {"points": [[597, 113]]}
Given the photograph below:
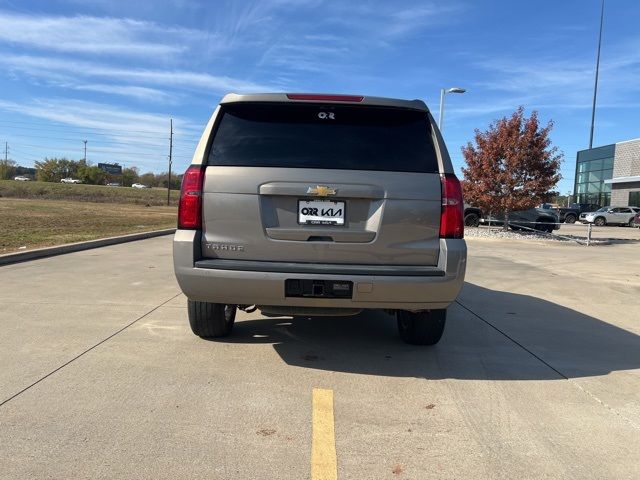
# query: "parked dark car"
{"points": [[636, 220], [536, 218], [544, 220], [472, 216], [549, 206], [572, 213]]}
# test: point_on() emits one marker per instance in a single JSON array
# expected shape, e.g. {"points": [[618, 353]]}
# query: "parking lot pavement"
{"points": [[530, 380], [53, 309], [615, 232]]}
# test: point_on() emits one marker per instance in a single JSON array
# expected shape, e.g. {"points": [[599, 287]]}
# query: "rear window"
{"points": [[324, 136]]}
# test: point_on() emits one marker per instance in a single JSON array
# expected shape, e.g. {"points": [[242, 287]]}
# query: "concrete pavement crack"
{"points": [[513, 340], [88, 350], [571, 381]]}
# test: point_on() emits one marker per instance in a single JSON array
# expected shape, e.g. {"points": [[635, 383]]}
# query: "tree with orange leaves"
{"points": [[511, 166]]}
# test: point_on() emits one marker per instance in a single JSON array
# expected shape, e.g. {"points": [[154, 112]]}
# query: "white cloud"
{"points": [[307, 57], [527, 75], [407, 20], [140, 93], [388, 21], [93, 115], [553, 83], [132, 137], [63, 72], [94, 35]]}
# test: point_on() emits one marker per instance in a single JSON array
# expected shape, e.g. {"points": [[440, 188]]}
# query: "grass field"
{"points": [[34, 223], [86, 193]]}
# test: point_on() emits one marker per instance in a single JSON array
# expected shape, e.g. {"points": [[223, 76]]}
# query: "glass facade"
{"points": [[634, 199], [593, 167]]}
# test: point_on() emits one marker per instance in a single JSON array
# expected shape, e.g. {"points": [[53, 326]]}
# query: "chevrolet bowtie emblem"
{"points": [[321, 191]]}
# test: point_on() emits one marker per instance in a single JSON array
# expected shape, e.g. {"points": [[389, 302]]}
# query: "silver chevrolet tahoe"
{"points": [[311, 205]]}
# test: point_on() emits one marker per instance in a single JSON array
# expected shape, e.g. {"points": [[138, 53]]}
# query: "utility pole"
{"points": [[4, 167], [170, 160], [85, 151], [595, 87]]}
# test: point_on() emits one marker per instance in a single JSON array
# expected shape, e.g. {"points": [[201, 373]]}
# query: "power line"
{"points": [[116, 133], [100, 141], [106, 143], [100, 130], [22, 156], [112, 152]]}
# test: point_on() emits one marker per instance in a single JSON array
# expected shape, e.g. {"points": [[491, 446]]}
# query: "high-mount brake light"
{"points": [[324, 98], [452, 213], [190, 206]]}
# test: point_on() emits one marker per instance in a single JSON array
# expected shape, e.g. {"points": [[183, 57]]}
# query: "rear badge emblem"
{"points": [[325, 116], [321, 191], [224, 247]]}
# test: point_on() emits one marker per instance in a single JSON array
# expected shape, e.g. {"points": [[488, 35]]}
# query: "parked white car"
{"points": [[22, 178], [139, 185], [70, 180], [611, 216]]}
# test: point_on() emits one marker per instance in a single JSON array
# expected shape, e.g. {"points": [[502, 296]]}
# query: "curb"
{"points": [[10, 258]]}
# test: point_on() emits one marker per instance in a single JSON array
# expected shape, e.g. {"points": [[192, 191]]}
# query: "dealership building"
{"points": [[609, 175]]}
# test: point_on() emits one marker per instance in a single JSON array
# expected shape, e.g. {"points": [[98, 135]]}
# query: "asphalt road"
{"points": [[537, 376]]}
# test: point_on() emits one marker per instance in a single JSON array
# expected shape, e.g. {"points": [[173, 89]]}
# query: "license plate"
{"points": [[320, 212]]}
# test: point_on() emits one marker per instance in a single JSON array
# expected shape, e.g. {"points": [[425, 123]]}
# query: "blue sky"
{"points": [[114, 72]]}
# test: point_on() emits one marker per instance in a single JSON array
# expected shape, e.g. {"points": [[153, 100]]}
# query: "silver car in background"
{"points": [[611, 216], [311, 205]]}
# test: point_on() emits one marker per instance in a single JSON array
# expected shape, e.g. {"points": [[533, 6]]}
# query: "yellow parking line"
{"points": [[323, 445]]}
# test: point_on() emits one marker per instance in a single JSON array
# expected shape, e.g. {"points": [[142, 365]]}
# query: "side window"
{"points": [[625, 210], [616, 210]]}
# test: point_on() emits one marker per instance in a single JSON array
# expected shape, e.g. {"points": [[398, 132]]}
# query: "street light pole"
{"points": [[595, 87], [85, 151], [443, 92]]}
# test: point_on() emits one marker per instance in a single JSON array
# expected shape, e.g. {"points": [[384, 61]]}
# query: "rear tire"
{"points": [[544, 225], [600, 222], [211, 320], [472, 220], [570, 218], [421, 328], [631, 223]]}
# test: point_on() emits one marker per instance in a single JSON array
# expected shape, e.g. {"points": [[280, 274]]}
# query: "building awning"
{"points": [[635, 178]]}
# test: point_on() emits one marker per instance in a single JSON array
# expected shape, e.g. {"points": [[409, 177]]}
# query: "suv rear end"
{"points": [[320, 205]]}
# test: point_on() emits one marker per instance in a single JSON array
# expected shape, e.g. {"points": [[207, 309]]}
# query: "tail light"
{"points": [[190, 206], [452, 213]]}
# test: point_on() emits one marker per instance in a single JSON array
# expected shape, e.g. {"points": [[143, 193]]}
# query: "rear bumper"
{"points": [[405, 288]]}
